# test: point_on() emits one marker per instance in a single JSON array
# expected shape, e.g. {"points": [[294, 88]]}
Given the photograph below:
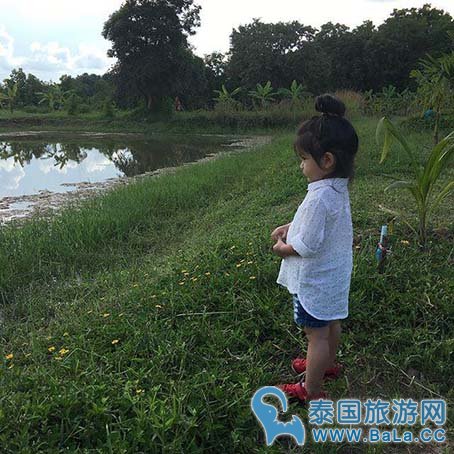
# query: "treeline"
{"points": [[155, 61], [27, 92]]}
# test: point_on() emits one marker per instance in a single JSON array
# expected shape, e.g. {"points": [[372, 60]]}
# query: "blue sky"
{"points": [[53, 37]]}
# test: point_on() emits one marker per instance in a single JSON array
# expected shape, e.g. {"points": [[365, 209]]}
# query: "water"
{"points": [[38, 170]]}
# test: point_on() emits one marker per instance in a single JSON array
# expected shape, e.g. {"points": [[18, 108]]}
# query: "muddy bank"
{"points": [[33, 135], [44, 203]]}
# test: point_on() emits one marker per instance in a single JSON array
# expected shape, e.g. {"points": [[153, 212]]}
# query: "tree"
{"points": [[149, 39], [10, 96], [261, 51], [435, 85], [54, 96], [18, 78], [404, 38]]}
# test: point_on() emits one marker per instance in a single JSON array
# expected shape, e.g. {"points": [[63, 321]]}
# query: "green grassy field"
{"points": [[145, 320]]}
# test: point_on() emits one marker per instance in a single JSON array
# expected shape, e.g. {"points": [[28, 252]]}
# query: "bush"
{"points": [[36, 109], [84, 108], [72, 104], [108, 109], [418, 122], [354, 102]]}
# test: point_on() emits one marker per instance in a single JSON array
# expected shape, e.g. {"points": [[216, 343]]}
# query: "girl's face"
{"points": [[310, 168]]}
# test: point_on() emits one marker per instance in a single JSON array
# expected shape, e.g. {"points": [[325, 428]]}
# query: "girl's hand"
{"points": [[280, 232], [277, 248]]}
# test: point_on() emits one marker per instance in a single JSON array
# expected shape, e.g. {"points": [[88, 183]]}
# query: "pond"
{"points": [[39, 171]]}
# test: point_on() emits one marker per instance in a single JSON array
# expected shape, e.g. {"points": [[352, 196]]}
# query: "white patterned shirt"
{"points": [[322, 234]]}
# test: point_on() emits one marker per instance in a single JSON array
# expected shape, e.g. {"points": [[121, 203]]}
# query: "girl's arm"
{"points": [[311, 232]]}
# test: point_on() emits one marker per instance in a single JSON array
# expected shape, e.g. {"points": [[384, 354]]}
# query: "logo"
{"points": [[267, 415], [370, 415]]}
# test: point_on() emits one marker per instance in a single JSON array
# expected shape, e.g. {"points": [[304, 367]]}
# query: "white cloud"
{"points": [[52, 11], [95, 161], [11, 174], [51, 58], [7, 58]]}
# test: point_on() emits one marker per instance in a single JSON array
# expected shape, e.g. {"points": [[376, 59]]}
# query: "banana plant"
{"points": [[263, 93], [422, 185], [224, 96], [10, 96], [295, 93], [54, 96]]}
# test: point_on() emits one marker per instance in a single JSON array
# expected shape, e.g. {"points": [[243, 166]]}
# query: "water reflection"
{"points": [[30, 166]]}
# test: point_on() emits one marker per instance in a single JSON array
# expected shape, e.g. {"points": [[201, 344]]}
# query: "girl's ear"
{"points": [[329, 160]]}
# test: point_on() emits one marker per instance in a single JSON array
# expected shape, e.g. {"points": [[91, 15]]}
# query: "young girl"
{"points": [[316, 246]]}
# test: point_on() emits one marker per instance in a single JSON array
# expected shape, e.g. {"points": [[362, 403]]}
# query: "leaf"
{"points": [[379, 130], [437, 159], [399, 184], [388, 139], [441, 196], [400, 215]]}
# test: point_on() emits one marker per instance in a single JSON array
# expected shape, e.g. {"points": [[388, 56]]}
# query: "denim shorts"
{"points": [[302, 318]]}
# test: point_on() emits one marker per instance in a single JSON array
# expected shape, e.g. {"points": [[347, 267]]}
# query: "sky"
{"points": [[49, 38]]}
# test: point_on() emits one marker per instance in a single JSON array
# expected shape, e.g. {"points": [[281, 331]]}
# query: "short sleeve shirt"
{"points": [[321, 233]]}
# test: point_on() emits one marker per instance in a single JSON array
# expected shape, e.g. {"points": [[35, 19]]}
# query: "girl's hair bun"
{"points": [[329, 105]]}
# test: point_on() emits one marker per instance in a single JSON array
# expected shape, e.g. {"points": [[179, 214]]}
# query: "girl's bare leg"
{"points": [[318, 357], [334, 339]]}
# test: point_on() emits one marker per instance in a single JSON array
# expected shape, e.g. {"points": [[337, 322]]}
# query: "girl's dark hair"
{"points": [[329, 132]]}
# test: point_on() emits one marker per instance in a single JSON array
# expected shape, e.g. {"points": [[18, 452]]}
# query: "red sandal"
{"points": [[299, 366], [298, 391]]}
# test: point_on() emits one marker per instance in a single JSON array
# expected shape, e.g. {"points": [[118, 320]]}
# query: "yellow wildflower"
{"points": [[115, 341], [139, 391], [51, 349], [10, 356], [405, 242], [63, 351], [252, 277], [207, 273]]}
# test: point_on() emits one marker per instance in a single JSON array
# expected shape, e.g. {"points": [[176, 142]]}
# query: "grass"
{"points": [[162, 296]]}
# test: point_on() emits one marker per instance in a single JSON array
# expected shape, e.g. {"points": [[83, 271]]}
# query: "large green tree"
{"points": [[149, 40], [261, 51], [405, 37]]}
